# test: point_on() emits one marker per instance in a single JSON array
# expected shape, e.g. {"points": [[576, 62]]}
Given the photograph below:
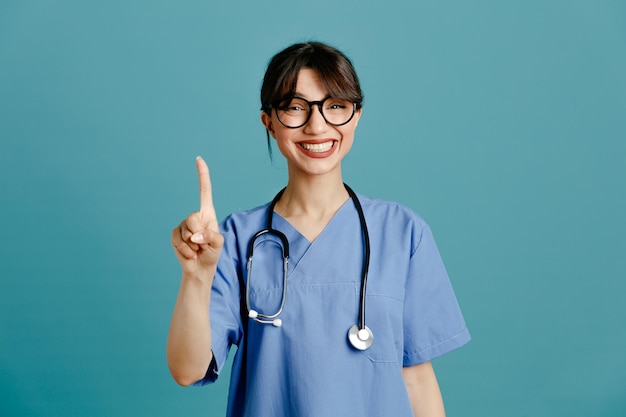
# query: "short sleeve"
{"points": [[433, 322]]}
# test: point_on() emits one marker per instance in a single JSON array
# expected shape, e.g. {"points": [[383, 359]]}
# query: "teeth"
{"points": [[317, 147]]}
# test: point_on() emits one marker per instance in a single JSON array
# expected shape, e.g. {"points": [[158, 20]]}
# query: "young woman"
{"points": [[337, 302]]}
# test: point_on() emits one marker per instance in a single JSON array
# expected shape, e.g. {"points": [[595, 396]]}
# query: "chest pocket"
{"points": [[334, 308], [317, 317], [383, 315]]}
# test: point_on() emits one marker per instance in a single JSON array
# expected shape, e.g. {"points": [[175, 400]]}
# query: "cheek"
{"points": [[281, 136], [348, 134], [283, 140]]}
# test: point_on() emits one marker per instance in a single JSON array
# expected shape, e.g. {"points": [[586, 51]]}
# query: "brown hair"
{"points": [[334, 68]]}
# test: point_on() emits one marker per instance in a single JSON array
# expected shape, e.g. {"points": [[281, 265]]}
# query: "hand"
{"points": [[197, 240]]}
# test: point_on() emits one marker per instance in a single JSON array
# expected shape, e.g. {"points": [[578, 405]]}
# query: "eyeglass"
{"points": [[295, 112]]}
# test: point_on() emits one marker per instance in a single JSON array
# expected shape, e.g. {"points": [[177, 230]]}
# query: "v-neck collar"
{"points": [[296, 234], [299, 245]]}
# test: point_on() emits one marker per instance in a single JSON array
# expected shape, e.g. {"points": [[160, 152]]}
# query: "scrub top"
{"points": [[307, 367]]}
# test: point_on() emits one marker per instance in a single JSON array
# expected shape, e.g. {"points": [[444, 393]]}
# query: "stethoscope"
{"points": [[359, 335]]}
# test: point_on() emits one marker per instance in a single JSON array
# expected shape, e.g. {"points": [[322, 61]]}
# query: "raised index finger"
{"points": [[206, 196]]}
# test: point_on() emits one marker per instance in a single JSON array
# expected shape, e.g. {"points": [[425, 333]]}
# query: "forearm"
{"points": [[189, 340], [423, 389]]}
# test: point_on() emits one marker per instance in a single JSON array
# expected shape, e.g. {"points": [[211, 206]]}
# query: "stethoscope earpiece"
{"points": [[359, 335]]}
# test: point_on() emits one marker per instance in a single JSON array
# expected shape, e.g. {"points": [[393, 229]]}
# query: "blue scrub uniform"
{"points": [[307, 367]]}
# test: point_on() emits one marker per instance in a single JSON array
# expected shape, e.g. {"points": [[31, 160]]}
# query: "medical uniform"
{"points": [[307, 367]]}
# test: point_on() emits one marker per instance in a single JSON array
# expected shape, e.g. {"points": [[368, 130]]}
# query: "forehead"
{"points": [[309, 84], [315, 84]]}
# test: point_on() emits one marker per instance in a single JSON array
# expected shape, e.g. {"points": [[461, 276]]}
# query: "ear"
{"points": [[266, 119]]}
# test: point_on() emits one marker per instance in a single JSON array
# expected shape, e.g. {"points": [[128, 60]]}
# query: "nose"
{"points": [[316, 123]]}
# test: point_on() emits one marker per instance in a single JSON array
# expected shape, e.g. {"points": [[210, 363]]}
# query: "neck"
{"points": [[312, 196]]}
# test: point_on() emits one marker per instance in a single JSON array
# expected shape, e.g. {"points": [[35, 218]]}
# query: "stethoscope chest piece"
{"points": [[360, 339]]}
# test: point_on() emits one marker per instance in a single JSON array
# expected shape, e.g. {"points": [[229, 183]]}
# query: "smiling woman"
{"points": [[309, 358], [501, 123]]}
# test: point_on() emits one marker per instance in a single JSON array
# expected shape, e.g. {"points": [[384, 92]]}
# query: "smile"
{"points": [[317, 147]]}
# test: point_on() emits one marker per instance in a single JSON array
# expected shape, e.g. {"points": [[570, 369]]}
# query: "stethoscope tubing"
{"points": [[285, 250], [366, 260], [359, 335]]}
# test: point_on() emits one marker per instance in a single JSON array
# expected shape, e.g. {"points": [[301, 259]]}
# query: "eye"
{"points": [[294, 106], [338, 105]]}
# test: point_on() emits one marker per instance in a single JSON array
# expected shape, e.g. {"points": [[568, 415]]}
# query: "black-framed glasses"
{"points": [[295, 112]]}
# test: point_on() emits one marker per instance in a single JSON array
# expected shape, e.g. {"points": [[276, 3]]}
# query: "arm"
{"points": [[197, 243], [423, 389]]}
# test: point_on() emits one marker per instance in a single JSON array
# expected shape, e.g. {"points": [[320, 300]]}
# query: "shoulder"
{"points": [[245, 219], [391, 211], [394, 220]]}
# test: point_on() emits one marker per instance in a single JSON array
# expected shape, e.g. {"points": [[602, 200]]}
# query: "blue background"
{"points": [[501, 122]]}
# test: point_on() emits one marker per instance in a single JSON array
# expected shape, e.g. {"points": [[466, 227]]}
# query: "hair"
{"points": [[334, 69]]}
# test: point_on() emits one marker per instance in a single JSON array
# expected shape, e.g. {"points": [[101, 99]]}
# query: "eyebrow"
{"points": [[300, 95]]}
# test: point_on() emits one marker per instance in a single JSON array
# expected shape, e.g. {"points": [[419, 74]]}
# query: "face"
{"points": [[316, 148]]}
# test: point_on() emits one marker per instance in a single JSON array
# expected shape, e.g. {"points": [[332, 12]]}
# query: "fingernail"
{"points": [[197, 238]]}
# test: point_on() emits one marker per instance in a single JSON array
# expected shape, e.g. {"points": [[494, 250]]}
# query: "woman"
{"points": [[307, 343]]}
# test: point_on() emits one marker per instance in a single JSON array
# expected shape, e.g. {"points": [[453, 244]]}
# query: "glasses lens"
{"points": [[295, 112], [337, 112]]}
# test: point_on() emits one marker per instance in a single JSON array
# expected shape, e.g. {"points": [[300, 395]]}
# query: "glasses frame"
{"points": [[319, 104]]}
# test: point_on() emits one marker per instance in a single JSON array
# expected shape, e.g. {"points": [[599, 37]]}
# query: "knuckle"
{"points": [[193, 221], [176, 235]]}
